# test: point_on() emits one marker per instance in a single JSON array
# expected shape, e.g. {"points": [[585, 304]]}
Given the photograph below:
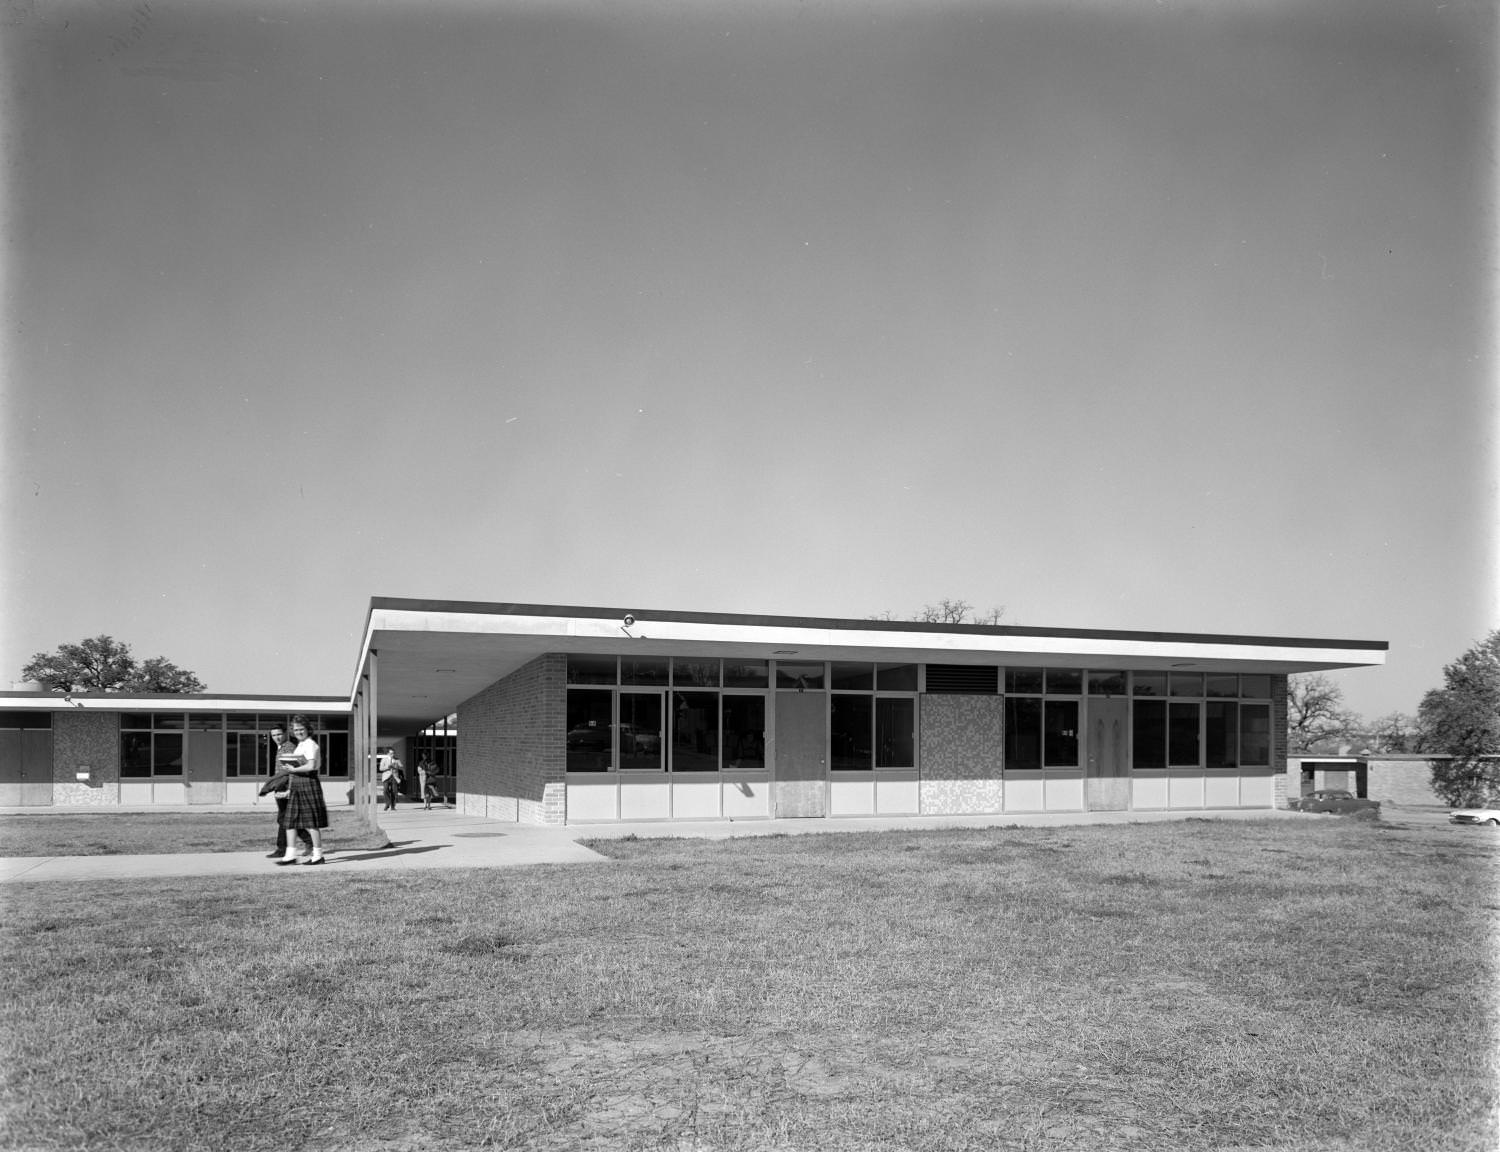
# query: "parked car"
{"points": [[1489, 816], [1335, 801]]}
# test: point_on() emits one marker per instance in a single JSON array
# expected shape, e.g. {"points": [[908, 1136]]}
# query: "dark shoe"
{"points": [[274, 853], [312, 860], [284, 860]]}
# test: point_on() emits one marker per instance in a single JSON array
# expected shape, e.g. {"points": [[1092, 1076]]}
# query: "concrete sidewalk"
{"points": [[444, 838]]}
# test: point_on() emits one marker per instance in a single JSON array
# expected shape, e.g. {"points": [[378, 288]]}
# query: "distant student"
{"points": [[426, 771], [391, 779]]}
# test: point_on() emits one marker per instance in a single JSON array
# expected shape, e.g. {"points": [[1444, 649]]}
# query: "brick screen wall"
{"points": [[963, 747], [1279, 743], [511, 746]]}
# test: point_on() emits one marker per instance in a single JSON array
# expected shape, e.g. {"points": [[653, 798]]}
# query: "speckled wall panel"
{"points": [[963, 748], [91, 738]]}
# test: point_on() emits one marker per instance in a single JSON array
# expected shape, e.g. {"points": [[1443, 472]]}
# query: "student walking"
{"points": [[305, 809], [279, 786]]}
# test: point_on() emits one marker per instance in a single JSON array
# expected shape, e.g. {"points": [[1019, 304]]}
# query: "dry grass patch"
{"points": [[1281, 985]]}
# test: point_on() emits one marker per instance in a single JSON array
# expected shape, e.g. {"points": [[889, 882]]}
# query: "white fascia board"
{"points": [[834, 641], [122, 703]]}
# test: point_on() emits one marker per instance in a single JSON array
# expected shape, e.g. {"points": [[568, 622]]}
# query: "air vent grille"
{"points": [[963, 679]]}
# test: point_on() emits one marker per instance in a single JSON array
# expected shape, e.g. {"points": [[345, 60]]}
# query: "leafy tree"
{"points": [[104, 664], [1462, 718], [1315, 713], [1394, 732]]}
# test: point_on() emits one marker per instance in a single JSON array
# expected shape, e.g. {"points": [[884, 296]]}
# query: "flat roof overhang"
{"points": [[171, 702], [434, 655]]}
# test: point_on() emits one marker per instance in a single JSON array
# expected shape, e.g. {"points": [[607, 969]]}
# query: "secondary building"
{"points": [[572, 715]]}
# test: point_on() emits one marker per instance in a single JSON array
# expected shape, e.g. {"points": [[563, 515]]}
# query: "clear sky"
{"points": [[1142, 315]]}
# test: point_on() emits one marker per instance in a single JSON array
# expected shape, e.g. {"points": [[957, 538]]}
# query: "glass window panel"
{"points": [[1150, 683], [242, 722], [336, 754], [1060, 748], [802, 676], [1065, 681], [1187, 683], [206, 721], [745, 731], [1148, 740], [168, 720], [1223, 684], [590, 712], [1221, 725], [853, 677], [640, 742], [1182, 739], [1255, 687], [1023, 680], [591, 670], [1023, 733], [333, 723], [231, 754], [1106, 683], [643, 670], [850, 720], [895, 731], [135, 720], [1255, 734], [166, 754], [747, 674], [896, 677], [695, 731], [135, 755], [696, 673]]}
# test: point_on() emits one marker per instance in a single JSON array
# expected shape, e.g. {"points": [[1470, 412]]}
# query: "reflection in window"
{"points": [[1187, 684], [1023, 680], [1255, 734], [802, 677], [744, 732], [852, 677], [640, 730], [166, 754], [695, 673], [1060, 748], [1064, 681], [1222, 685], [747, 674], [1255, 687], [895, 725], [646, 670], [1023, 733], [1221, 733], [1106, 683], [695, 731], [850, 719], [589, 731], [1150, 683], [135, 755], [1182, 735], [591, 670], [896, 677], [1148, 741]]}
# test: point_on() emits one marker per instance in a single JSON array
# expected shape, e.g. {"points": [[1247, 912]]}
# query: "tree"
{"points": [[1462, 719], [947, 611], [1315, 712], [1393, 732], [104, 664]]}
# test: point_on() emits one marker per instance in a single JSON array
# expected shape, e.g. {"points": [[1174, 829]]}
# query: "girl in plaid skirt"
{"points": [[305, 809]]}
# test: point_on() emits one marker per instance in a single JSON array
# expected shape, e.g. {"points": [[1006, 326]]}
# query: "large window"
{"points": [[658, 714], [247, 741], [1227, 724], [151, 744], [872, 716], [1041, 718]]}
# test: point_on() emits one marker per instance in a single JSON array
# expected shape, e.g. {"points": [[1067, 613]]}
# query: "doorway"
{"points": [[799, 782], [1107, 773]]}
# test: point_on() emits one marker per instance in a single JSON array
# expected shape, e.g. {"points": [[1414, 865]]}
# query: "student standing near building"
{"points": [[305, 809], [426, 770], [390, 779], [279, 785]]}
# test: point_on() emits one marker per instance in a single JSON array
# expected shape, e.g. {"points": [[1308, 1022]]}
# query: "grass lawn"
{"points": [[159, 833], [1299, 985]]}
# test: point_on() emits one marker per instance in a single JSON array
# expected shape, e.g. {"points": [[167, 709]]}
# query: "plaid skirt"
{"points": [[305, 807]]}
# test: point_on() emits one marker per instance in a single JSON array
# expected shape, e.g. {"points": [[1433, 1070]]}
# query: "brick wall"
{"points": [[511, 746], [1279, 747], [963, 748], [91, 738], [1402, 782]]}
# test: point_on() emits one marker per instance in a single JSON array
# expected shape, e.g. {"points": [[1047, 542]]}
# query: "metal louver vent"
{"points": [[963, 679]]}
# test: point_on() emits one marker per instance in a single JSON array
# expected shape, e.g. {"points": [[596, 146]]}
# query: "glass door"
{"points": [[639, 735]]}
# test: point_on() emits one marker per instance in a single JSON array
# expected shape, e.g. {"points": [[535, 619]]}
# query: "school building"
{"points": [[576, 715]]}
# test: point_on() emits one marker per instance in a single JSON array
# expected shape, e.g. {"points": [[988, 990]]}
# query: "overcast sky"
{"points": [[1120, 315]]}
